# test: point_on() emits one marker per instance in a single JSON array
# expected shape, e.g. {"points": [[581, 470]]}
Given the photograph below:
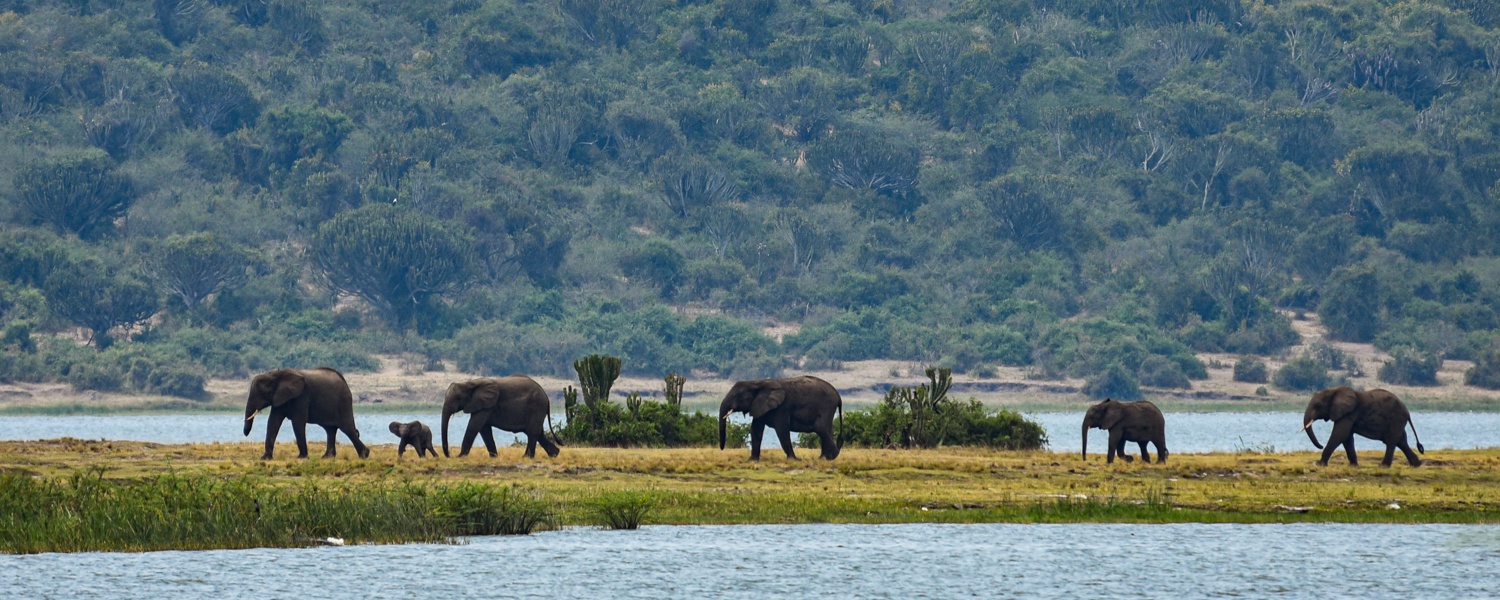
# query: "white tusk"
{"points": [[1304, 427], [252, 415]]}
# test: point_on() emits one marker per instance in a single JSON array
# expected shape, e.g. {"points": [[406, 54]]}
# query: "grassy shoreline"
{"points": [[705, 486]]}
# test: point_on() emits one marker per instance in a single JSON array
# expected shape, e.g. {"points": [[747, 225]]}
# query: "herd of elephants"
{"points": [[803, 404]]}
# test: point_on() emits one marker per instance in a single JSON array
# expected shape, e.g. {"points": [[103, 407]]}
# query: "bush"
{"points": [[966, 423], [1409, 366], [1486, 371], [651, 424], [1157, 371], [1302, 374], [1115, 382], [97, 377], [622, 510], [1250, 370]]}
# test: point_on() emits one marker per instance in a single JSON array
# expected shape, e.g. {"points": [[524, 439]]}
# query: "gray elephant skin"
{"points": [[1376, 414], [516, 404], [319, 396], [799, 404], [1138, 421], [415, 434]]}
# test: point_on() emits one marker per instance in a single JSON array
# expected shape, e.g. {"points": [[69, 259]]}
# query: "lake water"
{"points": [[845, 561], [1186, 432]]}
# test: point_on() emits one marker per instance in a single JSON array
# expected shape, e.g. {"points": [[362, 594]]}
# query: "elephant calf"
{"points": [[415, 434], [1139, 422]]}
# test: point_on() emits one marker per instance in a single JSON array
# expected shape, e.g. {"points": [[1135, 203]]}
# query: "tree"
{"points": [[78, 193], [87, 293], [196, 265], [868, 157], [214, 99], [1350, 305], [394, 258]]}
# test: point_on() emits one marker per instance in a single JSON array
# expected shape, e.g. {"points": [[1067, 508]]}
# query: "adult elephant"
{"points": [[1376, 414], [319, 396], [799, 404], [1139, 422], [516, 404]]}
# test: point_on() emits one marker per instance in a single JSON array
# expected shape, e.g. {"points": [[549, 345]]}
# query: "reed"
{"points": [[90, 512], [622, 510]]}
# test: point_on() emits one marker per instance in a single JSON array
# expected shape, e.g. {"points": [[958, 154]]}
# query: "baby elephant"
{"points": [[415, 434]]}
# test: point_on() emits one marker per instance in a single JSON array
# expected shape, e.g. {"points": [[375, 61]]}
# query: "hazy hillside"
{"points": [[1085, 190]]}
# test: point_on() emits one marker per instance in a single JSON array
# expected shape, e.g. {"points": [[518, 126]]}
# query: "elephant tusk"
{"points": [[1304, 427], [252, 415]]}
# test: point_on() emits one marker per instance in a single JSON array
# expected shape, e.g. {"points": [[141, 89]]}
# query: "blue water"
{"points": [[1186, 432], [799, 561]]}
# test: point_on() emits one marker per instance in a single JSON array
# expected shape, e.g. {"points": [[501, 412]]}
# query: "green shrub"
{"points": [[1486, 371], [964, 423], [1250, 370], [1115, 382], [622, 510], [652, 424], [1409, 366], [99, 377], [480, 509], [1302, 374], [1157, 371]]}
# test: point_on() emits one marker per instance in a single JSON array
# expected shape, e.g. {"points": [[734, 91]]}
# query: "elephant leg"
{"points": [[401, 449], [1349, 450], [488, 433], [1411, 457], [299, 428], [540, 435], [333, 433], [784, 435], [1116, 445], [1161, 449], [1390, 455], [273, 427], [353, 434], [830, 449], [1342, 432], [1145, 456], [470, 433], [757, 433]]}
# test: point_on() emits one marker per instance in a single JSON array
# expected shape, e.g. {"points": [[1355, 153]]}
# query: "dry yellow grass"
{"points": [[711, 486]]}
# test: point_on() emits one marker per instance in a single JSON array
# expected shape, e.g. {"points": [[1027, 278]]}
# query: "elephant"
{"points": [[319, 396], [415, 434], [1139, 422], [516, 404], [802, 404], [1376, 414]]}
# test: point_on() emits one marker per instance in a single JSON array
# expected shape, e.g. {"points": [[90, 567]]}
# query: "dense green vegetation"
{"points": [[86, 512], [1088, 188]]}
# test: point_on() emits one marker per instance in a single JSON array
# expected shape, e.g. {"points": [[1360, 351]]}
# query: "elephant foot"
{"points": [[364, 453], [266, 456], [1322, 463], [1128, 458], [497, 454], [302, 456], [329, 455], [755, 458]]}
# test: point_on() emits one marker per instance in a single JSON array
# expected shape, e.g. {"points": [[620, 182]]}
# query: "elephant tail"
{"points": [[556, 439], [1413, 425], [840, 438]]}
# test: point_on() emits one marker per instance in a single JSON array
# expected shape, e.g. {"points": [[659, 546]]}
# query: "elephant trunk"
{"points": [[1085, 440], [250, 411], [723, 418], [1307, 420], [447, 414]]}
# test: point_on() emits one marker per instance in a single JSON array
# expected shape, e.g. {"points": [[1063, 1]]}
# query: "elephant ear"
{"points": [[483, 398], [1112, 415], [767, 400], [1343, 404], [289, 385]]}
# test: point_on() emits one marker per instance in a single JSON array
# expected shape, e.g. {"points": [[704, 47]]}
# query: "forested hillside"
{"points": [[1092, 188]]}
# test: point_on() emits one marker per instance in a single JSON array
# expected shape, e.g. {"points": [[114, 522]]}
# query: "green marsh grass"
{"points": [[89, 512], [622, 510]]}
